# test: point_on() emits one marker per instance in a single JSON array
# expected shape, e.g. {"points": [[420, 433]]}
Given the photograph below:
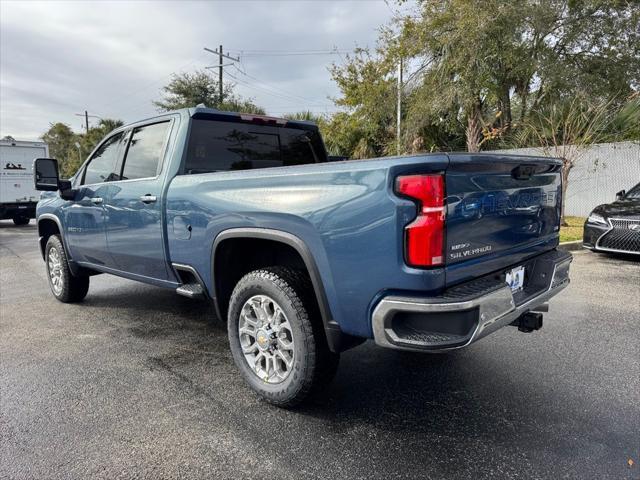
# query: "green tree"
{"points": [[366, 127], [60, 139], [190, 89], [478, 68], [70, 148], [109, 124], [496, 61], [306, 115]]}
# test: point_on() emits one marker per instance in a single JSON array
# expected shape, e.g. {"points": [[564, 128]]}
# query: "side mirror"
{"points": [[45, 176], [620, 195]]}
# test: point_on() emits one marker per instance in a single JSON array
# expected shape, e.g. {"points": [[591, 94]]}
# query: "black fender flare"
{"points": [[73, 266], [56, 220], [337, 340]]}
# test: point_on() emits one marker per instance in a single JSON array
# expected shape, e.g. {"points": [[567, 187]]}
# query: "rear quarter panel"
{"points": [[345, 213]]}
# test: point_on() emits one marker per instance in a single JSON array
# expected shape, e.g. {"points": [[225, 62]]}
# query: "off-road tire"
{"points": [[73, 288], [314, 365]]}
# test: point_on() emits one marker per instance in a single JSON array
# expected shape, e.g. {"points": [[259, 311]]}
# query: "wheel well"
{"points": [[238, 252], [46, 228], [235, 257]]}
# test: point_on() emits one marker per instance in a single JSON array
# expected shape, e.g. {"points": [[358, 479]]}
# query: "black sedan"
{"points": [[615, 227]]}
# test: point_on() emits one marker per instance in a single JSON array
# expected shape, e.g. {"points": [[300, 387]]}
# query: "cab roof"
{"points": [[202, 112]]}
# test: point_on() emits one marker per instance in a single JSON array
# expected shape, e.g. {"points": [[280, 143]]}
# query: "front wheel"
{"points": [[276, 336], [65, 286], [21, 220]]}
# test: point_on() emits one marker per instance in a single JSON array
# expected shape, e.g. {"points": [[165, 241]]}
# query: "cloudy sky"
{"points": [[111, 58]]}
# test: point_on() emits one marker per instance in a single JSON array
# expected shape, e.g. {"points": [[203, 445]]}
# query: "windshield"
{"points": [[634, 192]]}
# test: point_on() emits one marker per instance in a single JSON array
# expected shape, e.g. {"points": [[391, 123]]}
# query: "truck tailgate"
{"points": [[499, 210]]}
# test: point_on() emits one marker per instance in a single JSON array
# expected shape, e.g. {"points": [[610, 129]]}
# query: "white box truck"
{"points": [[18, 196]]}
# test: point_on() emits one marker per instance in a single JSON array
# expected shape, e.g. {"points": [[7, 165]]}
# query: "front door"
{"points": [[133, 205], [84, 217]]}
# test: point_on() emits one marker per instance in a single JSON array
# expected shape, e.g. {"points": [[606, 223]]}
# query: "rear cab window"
{"points": [[221, 146]]}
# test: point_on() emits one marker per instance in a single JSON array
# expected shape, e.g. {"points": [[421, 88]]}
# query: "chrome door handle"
{"points": [[96, 200], [148, 198]]}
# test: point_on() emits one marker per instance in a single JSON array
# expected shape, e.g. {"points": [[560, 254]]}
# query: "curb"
{"points": [[571, 246]]}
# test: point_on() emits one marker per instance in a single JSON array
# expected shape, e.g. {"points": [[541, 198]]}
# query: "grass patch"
{"points": [[573, 231]]}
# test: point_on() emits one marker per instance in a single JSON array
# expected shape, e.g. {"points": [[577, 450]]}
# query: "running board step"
{"points": [[191, 290]]}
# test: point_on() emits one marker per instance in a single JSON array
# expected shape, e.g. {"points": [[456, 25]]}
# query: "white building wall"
{"points": [[603, 170]]}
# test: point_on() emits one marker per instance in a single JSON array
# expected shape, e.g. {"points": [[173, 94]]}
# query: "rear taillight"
{"points": [[424, 237]]}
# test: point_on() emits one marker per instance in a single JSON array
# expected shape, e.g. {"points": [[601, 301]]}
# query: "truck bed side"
{"points": [[344, 212]]}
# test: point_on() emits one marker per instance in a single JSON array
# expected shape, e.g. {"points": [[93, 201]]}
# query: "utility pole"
{"points": [[220, 74], [86, 119], [220, 66], [399, 106]]}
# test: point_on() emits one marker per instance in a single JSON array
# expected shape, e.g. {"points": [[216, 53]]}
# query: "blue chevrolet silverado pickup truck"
{"points": [[304, 257]]}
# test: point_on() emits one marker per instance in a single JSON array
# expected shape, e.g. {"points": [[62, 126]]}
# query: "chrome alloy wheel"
{"points": [[266, 339], [54, 262]]}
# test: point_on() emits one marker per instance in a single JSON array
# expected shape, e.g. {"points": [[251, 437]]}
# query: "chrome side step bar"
{"points": [[191, 290], [194, 287]]}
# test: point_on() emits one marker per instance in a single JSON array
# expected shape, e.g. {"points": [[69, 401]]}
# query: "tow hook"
{"points": [[528, 322]]}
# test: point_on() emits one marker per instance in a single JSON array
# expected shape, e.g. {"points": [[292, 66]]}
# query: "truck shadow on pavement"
{"points": [[413, 408]]}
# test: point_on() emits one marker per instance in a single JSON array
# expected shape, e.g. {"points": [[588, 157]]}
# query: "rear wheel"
{"points": [[65, 286], [21, 220], [276, 336]]}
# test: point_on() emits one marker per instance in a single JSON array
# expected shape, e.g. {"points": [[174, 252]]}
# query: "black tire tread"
{"points": [[322, 364]]}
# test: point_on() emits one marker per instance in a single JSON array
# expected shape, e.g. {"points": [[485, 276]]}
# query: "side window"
{"points": [[102, 166], [145, 149]]}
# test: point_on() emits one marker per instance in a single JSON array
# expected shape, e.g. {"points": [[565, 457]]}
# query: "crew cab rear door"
{"points": [[500, 210], [133, 205]]}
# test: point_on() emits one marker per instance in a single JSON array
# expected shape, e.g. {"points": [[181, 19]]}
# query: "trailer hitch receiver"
{"points": [[528, 322]]}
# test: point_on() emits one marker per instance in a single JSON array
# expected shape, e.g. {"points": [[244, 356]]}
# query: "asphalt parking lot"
{"points": [[138, 382]]}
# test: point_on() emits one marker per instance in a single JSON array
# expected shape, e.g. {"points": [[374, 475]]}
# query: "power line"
{"points": [[253, 50], [262, 87], [149, 85], [263, 90], [287, 53], [273, 88], [270, 90], [294, 54]]}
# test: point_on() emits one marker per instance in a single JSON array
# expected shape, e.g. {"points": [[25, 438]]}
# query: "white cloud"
{"points": [[112, 58]]}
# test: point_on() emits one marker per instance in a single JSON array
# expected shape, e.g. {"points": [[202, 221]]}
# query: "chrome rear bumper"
{"points": [[466, 313]]}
